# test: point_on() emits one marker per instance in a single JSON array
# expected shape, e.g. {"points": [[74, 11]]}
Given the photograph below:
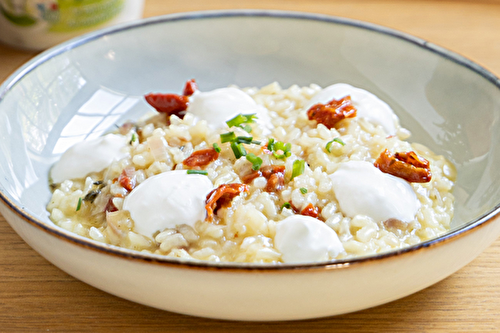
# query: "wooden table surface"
{"points": [[35, 296]]}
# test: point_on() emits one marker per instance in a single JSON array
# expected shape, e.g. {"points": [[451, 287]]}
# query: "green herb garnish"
{"points": [[270, 144], [247, 140], [238, 149], [277, 146], [216, 147], [255, 160], [197, 172], [285, 148], [227, 137], [328, 146], [298, 168], [303, 190], [241, 121], [79, 204], [286, 205], [246, 128], [133, 139]]}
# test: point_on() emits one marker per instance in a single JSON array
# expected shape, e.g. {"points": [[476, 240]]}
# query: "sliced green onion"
{"points": [[241, 119], [286, 205], [227, 137], [246, 128], [134, 138], [79, 204], [238, 149], [270, 144], [285, 148], [303, 190], [197, 172], [298, 168], [255, 160], [216, 147], [328, 146], [247, 140]]}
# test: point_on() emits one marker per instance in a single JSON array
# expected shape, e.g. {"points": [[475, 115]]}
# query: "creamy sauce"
{"points": [[219, 105], [362, 189], [89, 156], [368, 105], [305, 239], [167, 200]]}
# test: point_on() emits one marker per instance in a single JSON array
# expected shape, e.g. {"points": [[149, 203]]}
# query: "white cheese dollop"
{"points": [[362, 189], [368, 105], [167, 200], [219, 105], [89, 156], [304, 239]]}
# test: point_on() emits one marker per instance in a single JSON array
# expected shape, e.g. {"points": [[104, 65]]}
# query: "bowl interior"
{"points": [[81, 89]]}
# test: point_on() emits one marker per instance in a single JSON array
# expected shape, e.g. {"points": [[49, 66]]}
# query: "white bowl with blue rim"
{"points": [[449, 103]]}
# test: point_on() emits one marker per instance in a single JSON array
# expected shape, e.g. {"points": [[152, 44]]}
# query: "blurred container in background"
{"points": [[39, 24]]}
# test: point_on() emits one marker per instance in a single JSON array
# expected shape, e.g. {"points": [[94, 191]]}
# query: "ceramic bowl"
{"points": [[449, 103]]}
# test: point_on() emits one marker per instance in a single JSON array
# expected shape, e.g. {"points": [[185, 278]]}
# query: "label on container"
{"points": [[60, 15]]}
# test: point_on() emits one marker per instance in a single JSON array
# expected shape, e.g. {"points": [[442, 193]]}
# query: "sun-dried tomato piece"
{"points": [[110, 206], [407, 165], [201, 158], [190, 88], [248, 178], [332, 112], [412, 158], [222, 197], [168, 103], [311, 211], [127, 178], [275, 175]]}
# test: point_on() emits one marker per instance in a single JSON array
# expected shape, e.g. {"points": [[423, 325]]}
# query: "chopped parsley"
{"points": [[255, 160], [242, 121], [328, 146], [79, 204], [216, 147], [303, 190], [197, 172], [298, 168]]}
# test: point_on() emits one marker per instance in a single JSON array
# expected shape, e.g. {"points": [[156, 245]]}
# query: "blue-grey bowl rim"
{"points": [[333, 264]]}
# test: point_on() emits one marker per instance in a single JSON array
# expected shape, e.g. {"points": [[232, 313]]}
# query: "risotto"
{"points": [[266, 175]]}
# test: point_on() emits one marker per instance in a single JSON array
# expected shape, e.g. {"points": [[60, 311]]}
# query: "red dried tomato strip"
{"points": [[222, 197], [201, 158], [332, 112], [408, 166], [110, 206], [168, 103], [412, 158], [275, 175], [190, 88], [311, 211], [248, 178], [127, 178]]}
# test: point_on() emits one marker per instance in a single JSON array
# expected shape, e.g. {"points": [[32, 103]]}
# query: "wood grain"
{"points": [[35, 296]]}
